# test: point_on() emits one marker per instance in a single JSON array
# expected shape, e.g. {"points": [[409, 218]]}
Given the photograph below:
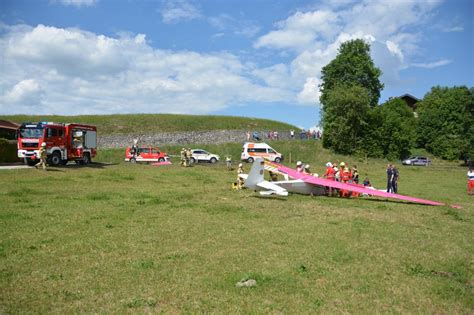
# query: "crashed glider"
{"points": [[308, 184]]}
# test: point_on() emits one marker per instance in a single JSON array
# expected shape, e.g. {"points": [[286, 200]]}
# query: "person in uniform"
{"points": [[183, 157], [228, 162], [189, 155], [42, 156]]}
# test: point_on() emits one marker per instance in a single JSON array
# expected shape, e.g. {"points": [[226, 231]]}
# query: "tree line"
{"points": [[354, 123]]}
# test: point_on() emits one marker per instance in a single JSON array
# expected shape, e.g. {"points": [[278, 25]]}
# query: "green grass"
{"points": [[151, 123], [119, 238]]}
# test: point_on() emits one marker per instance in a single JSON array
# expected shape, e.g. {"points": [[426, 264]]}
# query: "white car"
{"points": [[200, 155]]}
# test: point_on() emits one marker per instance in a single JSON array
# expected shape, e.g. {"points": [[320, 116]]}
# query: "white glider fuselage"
{"points": [[255, 180]]}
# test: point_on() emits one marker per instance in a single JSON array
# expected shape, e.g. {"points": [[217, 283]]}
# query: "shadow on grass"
{"points": [[94, 165]]}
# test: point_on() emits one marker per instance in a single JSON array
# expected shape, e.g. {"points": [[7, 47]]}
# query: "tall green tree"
{"points": [[445, 122], [345, 118], [352, 66], [391, 131]]}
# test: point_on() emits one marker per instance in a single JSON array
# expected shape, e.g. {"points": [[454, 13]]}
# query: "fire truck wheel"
{"points": [[250, 160], [55, 159], [86, 159], [133, 160], [161, 160]]}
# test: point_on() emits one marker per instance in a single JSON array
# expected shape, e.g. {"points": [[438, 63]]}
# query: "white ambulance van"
{"points": [[252, 150]]}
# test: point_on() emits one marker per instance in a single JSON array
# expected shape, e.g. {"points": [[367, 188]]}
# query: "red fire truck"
{"points": [[64, 142]]}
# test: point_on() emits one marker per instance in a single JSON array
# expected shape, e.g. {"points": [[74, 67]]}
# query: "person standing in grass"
{"points": [[42, 157], [228, 162], [470, 181], [389, 178], [395, 177]]}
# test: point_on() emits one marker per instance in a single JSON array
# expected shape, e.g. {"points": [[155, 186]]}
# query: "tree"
{"points": [[345, 118], [391, 130], [445, 122], [352, 66]]}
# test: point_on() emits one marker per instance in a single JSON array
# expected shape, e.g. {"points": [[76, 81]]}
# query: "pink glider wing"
{"points": [[350, 187]]}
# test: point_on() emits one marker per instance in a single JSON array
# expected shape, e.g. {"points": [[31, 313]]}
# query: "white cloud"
{"points": [[453, 29], [300, 30], [431, 65], [71, 71], [394, 49], [174, 11], [26, 92], [225, 22], [392, 27], [77, 3], [310, 93]]}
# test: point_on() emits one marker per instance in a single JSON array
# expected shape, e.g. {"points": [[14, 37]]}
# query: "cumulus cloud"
{"points": [[315, 36], [77, 3], [174, 11], [71, 71], [26, 92]]}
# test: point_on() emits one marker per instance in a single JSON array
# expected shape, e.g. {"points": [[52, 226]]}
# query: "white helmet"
{"points": [[240, 165], [298, 163], [306, 166], [43, 144], [328, 164]]}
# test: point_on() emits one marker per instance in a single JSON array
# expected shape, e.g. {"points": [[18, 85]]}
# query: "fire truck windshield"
{"points": [[31, 132]]}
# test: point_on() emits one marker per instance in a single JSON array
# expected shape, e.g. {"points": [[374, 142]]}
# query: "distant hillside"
{"points": [[152, 123]]}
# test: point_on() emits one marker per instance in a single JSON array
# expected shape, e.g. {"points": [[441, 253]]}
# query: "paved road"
{"points": [[13, 167]]}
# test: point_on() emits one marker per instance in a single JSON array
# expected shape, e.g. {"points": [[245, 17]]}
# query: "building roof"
{"points": [[5, 124], [410, 97]]}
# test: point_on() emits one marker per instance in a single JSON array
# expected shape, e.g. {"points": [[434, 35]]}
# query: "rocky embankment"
{"points": [[182, 138]]}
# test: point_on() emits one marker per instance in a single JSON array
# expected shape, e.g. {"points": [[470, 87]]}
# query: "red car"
{"points": [[146, 154]]}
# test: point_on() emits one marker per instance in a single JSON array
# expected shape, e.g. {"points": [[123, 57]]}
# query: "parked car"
{"points": [[146, 154], [417, 160], [200, 155]]}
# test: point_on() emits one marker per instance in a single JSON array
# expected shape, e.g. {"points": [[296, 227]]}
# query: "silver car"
{"points": [[417, 160]]}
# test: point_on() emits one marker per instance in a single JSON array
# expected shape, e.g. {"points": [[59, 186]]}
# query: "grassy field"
{"points": [[150, 123], [119, 238]]}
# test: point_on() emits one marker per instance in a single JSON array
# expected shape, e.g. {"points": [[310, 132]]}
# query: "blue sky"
{"points": [[245, 58]]}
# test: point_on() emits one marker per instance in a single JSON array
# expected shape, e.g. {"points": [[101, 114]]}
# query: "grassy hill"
{"points": [[151, 123], [115, 237]]}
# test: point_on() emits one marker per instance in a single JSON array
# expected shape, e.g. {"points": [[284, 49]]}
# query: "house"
{"points": [[410, 100], [8, 129]]}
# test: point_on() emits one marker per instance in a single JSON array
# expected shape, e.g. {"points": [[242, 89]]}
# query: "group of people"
{"points": [[305, 169], [186, 157], [343, 173], [392, 178], [239, 184]]}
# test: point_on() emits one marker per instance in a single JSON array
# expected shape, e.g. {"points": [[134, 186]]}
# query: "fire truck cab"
{"points": [[64, 142]]}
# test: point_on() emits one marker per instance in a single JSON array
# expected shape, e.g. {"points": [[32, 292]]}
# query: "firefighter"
{"points": [[183, 157], [345, 178], [330, 175], [134, 150], [42, 156], [189, 156], [228, 162], [355, 175], [273, 176], [306, 169], [299, 166], [240, 181]]}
